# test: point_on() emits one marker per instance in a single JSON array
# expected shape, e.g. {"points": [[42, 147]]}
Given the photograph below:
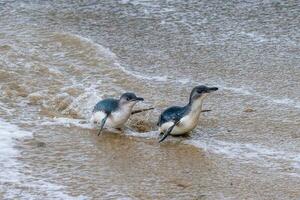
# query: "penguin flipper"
{"points": [[102, 123], [168, 131]]}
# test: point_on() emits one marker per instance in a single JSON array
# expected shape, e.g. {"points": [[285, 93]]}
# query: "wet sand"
{"points": [[117, 166]]}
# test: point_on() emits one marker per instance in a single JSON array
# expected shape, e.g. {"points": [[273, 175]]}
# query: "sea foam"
{"points": [[14, 183]]}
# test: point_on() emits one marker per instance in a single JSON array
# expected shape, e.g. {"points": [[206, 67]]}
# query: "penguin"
{"points": [[114, 113], [178, 120]]}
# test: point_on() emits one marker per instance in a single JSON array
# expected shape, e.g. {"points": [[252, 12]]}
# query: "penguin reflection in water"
{"points": [[114, 113], [177, 120]]}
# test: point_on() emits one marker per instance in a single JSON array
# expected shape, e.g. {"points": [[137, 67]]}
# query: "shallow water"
{"points": [[58, 59]]}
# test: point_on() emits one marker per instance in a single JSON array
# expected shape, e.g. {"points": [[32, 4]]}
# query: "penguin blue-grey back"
{"points": [[173, 113], [107, 105]]}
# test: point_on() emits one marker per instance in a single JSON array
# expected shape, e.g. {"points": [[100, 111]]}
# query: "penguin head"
{"points": [[129, 99], [201, 92]]}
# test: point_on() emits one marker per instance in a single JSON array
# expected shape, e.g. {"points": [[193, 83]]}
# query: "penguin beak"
{"points": [[139, 99], [212, 89]]}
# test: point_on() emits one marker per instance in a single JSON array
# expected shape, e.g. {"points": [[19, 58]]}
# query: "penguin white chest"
{"points": [[118, 118], [186, 124], [115, 120]]}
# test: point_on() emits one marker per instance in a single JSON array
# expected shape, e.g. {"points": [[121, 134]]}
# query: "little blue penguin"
{"points": [[114, 112], [177, 120]]}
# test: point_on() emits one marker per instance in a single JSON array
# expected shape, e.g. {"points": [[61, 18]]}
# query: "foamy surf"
{"points": [[114, 61], [8, 134], [141, 76], [14, 183], [256, 154], [67, 122], [109, 55], [86, 124], [5, 109], [146, 135], [252, 153], [87, 43]]}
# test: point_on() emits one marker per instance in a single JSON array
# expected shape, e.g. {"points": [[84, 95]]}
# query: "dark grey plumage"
{"points": [[107, 105], [173, 113], [110, 105], [129, 96]]}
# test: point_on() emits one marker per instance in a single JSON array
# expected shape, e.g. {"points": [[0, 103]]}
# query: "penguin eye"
{"points": [[128, 98]]}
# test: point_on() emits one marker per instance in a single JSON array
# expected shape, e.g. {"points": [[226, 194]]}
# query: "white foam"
{"points": [[256, 37], [186, 81], [12, 180], [101, 49], [85, 124], [108, 54], [124, 1], [7, 110], [250, 92], [8, 134], [67, 122], [257, 154], [145, 4], [147, 135], [286, 101], [240, 90], [84, 103], [141, 76]]}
